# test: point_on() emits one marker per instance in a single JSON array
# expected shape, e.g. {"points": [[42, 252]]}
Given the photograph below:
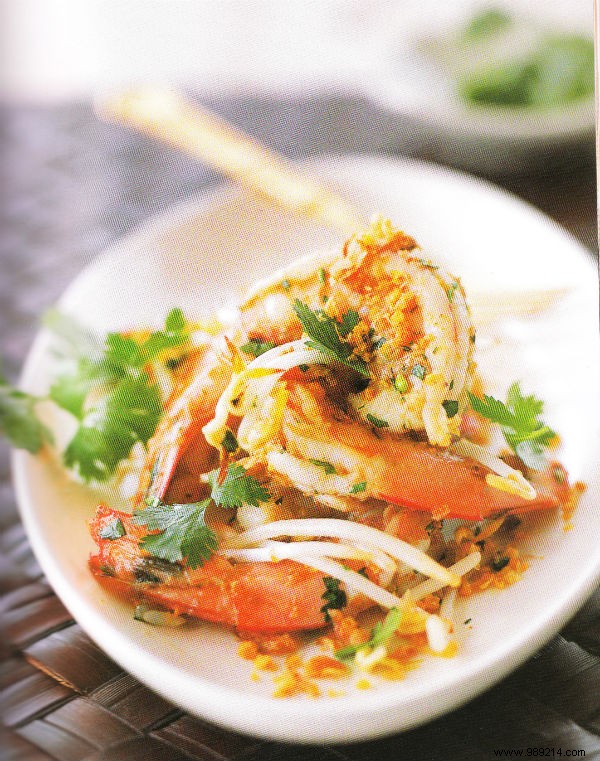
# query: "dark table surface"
{"points": [[71, 186]]}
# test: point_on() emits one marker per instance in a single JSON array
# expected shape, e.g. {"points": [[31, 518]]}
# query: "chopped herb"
{"points": [[18, 421], [322, 276], [450, 291], [428, 264], [256, 347], [451, 386], [229, 443], [303, 368], [418, 371], [451, 407], [358, 488], [327, 466], [400, 384], [468, 621], [285, 284], [327, 335], [335, 598], [500, 562], [381, 633], [430, 526], [524, 432], [237, 488], [378, 343], [173, 363], [183, 532], [107, 570], [377, 422], [113, 530]]}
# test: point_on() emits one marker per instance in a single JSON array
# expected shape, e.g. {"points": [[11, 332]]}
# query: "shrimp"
{"points": [[412, 326], [264, 597], [392, 432], [369, 463], [179, 434]]}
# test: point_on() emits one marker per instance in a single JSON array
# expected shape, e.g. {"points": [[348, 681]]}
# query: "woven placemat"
{"points": [[75, 186]]}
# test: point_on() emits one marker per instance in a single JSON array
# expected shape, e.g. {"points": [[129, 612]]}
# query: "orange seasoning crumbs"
{"points": [[248, 650], [324, 667], [291, 682], [346, 630], [275, 644], [488, 577], [265, 663], [430, 604]]}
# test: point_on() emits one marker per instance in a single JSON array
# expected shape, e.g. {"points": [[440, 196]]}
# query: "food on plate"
{"points": [[498, 59], [322, 464]]}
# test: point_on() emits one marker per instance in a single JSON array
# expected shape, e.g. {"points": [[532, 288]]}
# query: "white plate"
{"points": [[198, 256]]}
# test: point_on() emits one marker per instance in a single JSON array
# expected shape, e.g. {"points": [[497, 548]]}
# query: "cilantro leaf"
{"points": [[381, 633], [128, 404], [335, 598], [451, 407], [183, 532], [18, 421], [229, 442], [327, 466], [71, 389], [256, 347], [113, 530], [238, 488], [358, 488], [108, 431], [522, 428], [175, 322], [326, 334]]}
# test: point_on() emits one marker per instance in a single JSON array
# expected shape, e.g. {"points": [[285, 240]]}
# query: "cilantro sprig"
{"points": [[18, 421], [381, 633], [328, 335], [519, 419], [183, 532], [128, 404], [237, 488]]}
